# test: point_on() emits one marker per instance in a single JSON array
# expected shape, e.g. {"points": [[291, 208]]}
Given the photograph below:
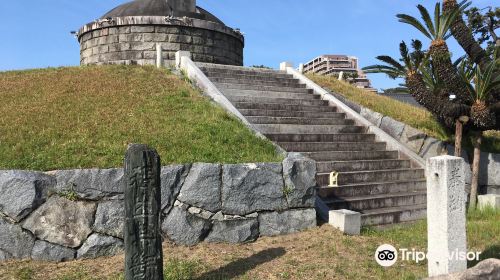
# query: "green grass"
{"points": [[416, 117], [83, 117]]}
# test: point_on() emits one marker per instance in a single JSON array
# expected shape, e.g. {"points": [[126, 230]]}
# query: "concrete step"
{"points": [[298, 128], [206, 65], [251, 99], [274, 83], [291, 113], [330, 137], [271, 94], [372, 176], [372, 189], [361, 165], [394, 215], [281, 107], [333, 146], [223, 86], [349, 156], [309, 121], [250, 76], [363, 203]]}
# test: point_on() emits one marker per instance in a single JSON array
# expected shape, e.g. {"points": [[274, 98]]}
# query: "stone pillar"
{"points": [[158, 55], [284, 65], [143, 250], [178, 58], [446, 215]]}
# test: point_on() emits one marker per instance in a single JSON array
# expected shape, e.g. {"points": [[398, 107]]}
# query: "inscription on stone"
{"points": [[143, 250]]}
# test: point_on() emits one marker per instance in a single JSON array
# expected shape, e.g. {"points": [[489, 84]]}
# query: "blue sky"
{"points": [[36, 33]]}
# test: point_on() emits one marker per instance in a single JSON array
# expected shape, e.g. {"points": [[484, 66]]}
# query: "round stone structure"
{"points": [[130, 33]]}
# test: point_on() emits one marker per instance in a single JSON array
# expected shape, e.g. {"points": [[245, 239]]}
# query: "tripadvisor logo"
{"points": [[386, 255]]}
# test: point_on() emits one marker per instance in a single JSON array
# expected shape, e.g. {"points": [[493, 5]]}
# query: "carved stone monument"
{"points": [[143, 250], [445, 215]]}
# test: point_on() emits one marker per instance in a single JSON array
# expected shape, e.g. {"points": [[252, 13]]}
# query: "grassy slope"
{"points": [[85, 117], [320, 253], [415, 117]]}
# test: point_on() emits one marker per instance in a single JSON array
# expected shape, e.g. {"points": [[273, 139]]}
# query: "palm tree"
{"points": [[464, 35], [438, 31], [483, 84], [422, 84]]}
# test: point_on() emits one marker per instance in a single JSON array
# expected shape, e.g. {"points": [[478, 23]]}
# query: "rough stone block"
{"points": [[98, 245], [349, 222], [234, 231], [62, 221], [202, 187], [299, 174], [374, 117], [446, 200], [132, 37], [413, 138], [185, 228], [110, 218], [45, 251], [117, 47], [488, 269], [488, 171], [155, 37], [21, 192], [275, 223], [392, 127], [432, 148], [142, 46], [249, 188], [142, 29], [172, 178], [92, 184], [14, 241], [489, 200]]}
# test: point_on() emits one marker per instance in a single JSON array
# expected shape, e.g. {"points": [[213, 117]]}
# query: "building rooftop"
{"points": [[176, 8]]}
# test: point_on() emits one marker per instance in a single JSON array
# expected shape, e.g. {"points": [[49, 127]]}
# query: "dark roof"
{"points": [[156, 8]]}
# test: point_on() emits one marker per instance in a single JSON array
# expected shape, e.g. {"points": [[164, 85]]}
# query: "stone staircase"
{"points": [[372, 179]]}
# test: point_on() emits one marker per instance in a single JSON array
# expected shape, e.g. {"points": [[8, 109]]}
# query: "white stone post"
{"points": [[158, 55], [446, 238], [178, 57], [284, 65], [301, 68]]}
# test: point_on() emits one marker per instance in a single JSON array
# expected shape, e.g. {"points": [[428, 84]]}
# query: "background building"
{"points": [[333, 65]]}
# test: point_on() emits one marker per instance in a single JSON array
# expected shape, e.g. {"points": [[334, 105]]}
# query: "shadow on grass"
{"points": [[489, 253], [241, 266]]}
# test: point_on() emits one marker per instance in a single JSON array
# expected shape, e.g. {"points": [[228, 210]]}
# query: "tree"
{"points": [[453, 92]]}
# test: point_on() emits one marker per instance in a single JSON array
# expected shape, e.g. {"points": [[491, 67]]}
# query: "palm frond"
{"points": [[427, 19], [415, 23], [391, 61]]}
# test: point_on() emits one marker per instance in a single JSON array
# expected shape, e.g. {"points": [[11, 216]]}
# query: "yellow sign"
{"points": [[334, 179]]}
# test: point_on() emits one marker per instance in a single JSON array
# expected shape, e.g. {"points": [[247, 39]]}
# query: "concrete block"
{"points": [[349, 222], [179, 55], [489, 200], [446, 200], [284, 65], [392, 127]]}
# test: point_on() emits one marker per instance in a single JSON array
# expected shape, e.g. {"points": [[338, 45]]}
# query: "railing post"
{"points": [[158, 55]]}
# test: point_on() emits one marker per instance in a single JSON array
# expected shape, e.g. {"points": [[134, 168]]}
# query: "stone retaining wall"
{"points": [[136, 44], [427, 146], [67, 214]]}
